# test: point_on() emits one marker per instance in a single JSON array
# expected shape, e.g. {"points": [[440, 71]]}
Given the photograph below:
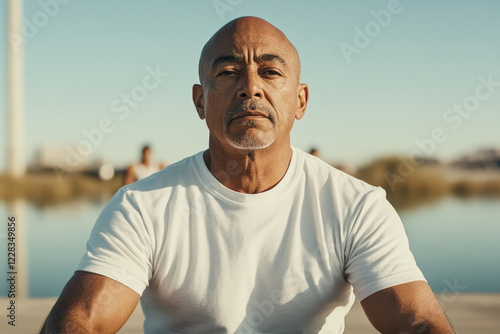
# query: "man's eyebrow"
{"points": [[226, 58], [269, 58], [235, 58]]}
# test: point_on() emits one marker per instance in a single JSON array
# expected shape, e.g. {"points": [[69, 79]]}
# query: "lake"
{"points": [[455, 243]]}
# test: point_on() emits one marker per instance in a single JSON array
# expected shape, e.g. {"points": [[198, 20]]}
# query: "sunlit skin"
{"points": [[250, 96]]}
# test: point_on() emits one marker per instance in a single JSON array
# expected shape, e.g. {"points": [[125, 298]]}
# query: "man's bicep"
{"points": [[410, 307], [91, 303]]}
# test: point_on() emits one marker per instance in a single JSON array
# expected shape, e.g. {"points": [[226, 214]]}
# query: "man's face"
{"points": [[251, 91]]}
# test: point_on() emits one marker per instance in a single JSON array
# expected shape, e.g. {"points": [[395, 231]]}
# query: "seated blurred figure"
{"points": [[143, 169]]}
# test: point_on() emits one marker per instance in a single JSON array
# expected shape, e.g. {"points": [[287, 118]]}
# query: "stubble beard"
{"points": [[250, 141]]}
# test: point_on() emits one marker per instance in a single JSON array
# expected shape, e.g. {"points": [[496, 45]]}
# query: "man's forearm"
{"points": [[437, 325], [63, 327]]}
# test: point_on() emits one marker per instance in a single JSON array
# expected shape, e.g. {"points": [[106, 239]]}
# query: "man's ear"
{"points": [[198, 100], [302, 98]]}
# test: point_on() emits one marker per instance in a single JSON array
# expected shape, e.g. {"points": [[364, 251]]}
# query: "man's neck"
{"points": [[248, 172]]}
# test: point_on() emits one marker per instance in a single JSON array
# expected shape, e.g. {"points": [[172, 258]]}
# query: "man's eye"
{"points": [[271, 72], [225, 73]]}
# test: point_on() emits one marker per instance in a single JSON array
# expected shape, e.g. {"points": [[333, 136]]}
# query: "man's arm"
{"points": [[406, 308], [91, 303]]}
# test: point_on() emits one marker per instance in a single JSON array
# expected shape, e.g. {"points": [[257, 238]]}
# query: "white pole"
{"points": [[15, 90]]}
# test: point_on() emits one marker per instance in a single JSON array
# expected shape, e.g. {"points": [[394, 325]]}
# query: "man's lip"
{"points": [[249, 113]]}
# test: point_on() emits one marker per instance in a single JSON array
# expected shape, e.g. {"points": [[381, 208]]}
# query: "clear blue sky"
{"points": [[395, 90]]}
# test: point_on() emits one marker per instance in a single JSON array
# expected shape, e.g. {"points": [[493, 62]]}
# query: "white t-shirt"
{"points": [[207, 259]]}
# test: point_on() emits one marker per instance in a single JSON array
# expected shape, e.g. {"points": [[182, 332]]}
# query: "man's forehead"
{"points": [[250, 37], [258, 44], [253, 51], [257, 38]]}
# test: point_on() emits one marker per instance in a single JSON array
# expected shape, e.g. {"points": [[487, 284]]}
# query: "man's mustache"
{"points": [[247, 105]]}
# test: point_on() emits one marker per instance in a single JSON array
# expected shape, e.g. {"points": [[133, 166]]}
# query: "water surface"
{"points": [[455, 243]]}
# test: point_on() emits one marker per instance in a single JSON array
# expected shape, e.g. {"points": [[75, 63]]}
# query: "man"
{"points": [[143, 169], [250, 236]]}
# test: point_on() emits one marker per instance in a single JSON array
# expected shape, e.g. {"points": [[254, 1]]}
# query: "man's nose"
{"points": [[250, 86]]}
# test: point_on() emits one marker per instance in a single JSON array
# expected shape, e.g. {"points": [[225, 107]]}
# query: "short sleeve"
{"points": [[119, 246], [377, 253]]}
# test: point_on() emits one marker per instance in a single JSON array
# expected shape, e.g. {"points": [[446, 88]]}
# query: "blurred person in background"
{"points": [[144, 168], [314, 151]]}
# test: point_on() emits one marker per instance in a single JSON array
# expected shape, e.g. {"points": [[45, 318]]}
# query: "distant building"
{"points": [[68, 159], [65, 159], [482, 159]]}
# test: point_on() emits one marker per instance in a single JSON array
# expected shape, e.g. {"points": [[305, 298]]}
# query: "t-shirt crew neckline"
{"points": [[214, 186]]}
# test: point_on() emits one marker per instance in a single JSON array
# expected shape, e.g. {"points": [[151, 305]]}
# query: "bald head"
{"points": [[245, 30]]}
